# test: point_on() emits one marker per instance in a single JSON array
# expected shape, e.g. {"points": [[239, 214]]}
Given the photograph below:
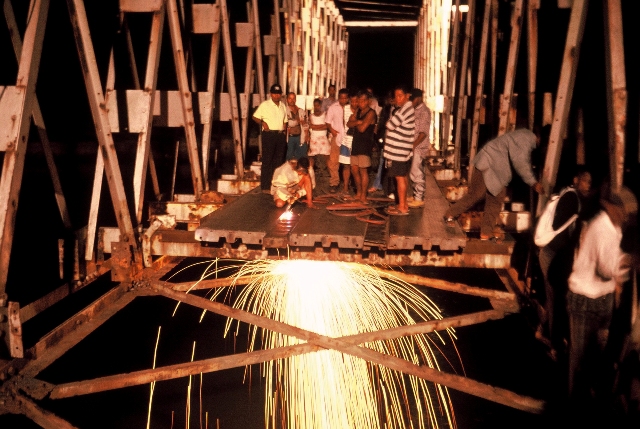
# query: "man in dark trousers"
{"points": [[492, 174], [556, 257], [271, 115]]}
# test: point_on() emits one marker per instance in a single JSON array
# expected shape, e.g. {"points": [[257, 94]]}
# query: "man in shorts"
{"points": [[398, 146], [364, 121]]}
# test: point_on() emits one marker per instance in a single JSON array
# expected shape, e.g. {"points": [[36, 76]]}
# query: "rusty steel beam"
{"points": [[13, 162], [82, 36], [143, 152], [75, 329], [563, 98], [445, 285], [19, 404], [512, 62], [233, 94], [183, 243], [491, 393], [532, 50], [185, 97], [451, 81], [212, 73], [257, 357], [461, 108], [39, 121], [616, 90], [482, 66]]}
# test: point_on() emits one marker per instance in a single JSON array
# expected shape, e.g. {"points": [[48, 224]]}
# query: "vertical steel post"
{"points": [[616, 90], [563, 97], [233, 94], [185, 97]]}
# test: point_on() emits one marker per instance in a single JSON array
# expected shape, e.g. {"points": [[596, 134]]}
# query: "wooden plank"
{"points": [[15, 151], [563, 98], [616, 90]]}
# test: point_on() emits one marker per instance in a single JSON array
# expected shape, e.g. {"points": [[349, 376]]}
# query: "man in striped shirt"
{"points": [[398, 145]]}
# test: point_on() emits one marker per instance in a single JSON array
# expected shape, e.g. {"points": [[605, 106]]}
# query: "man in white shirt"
{"points": [[599, 270]]}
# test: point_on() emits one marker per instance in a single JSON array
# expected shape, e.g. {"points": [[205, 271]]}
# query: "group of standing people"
{"points": [[341, 132]]}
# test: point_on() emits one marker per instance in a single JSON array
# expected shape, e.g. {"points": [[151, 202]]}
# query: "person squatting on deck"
{"points": [[600, 269], [492, 175], [398, 146], [364, 121], [291, 182], [335, 123], [272, 116], [421, 148]]}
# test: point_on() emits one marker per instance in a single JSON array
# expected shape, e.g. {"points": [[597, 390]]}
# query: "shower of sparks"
{"points": [[328, 389]]}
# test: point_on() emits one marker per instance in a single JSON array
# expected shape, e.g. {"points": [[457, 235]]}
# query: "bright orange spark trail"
{"points": [[327, 389]]}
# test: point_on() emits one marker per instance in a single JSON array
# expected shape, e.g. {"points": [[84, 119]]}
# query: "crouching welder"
{"points": [[291, 181]]}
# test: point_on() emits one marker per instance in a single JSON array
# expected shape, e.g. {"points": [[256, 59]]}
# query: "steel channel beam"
{"points": [[185, 97], [257, 357], [99, 112], [143, 152], [13, 162]]}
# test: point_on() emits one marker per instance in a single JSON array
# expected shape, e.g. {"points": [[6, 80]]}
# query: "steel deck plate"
{"points": [[321, 226], [249, 218]]}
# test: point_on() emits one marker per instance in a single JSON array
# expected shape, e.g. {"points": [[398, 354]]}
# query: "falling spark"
{"points": [[328, 389], [153, 383]]}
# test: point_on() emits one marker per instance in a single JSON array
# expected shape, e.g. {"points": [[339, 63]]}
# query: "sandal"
{"points": [[394, 211]]}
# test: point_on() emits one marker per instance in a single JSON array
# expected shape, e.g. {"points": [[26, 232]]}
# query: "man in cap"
{"points": [[271, 115], [421, 147]]}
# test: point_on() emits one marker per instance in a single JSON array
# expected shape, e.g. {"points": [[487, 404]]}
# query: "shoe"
{"points": [[416, 204], [485, 237], [391, 196], [333, 189], [409, 199]]}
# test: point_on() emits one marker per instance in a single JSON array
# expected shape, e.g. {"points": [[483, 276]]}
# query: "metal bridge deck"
{"points": [[254, 219]]}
